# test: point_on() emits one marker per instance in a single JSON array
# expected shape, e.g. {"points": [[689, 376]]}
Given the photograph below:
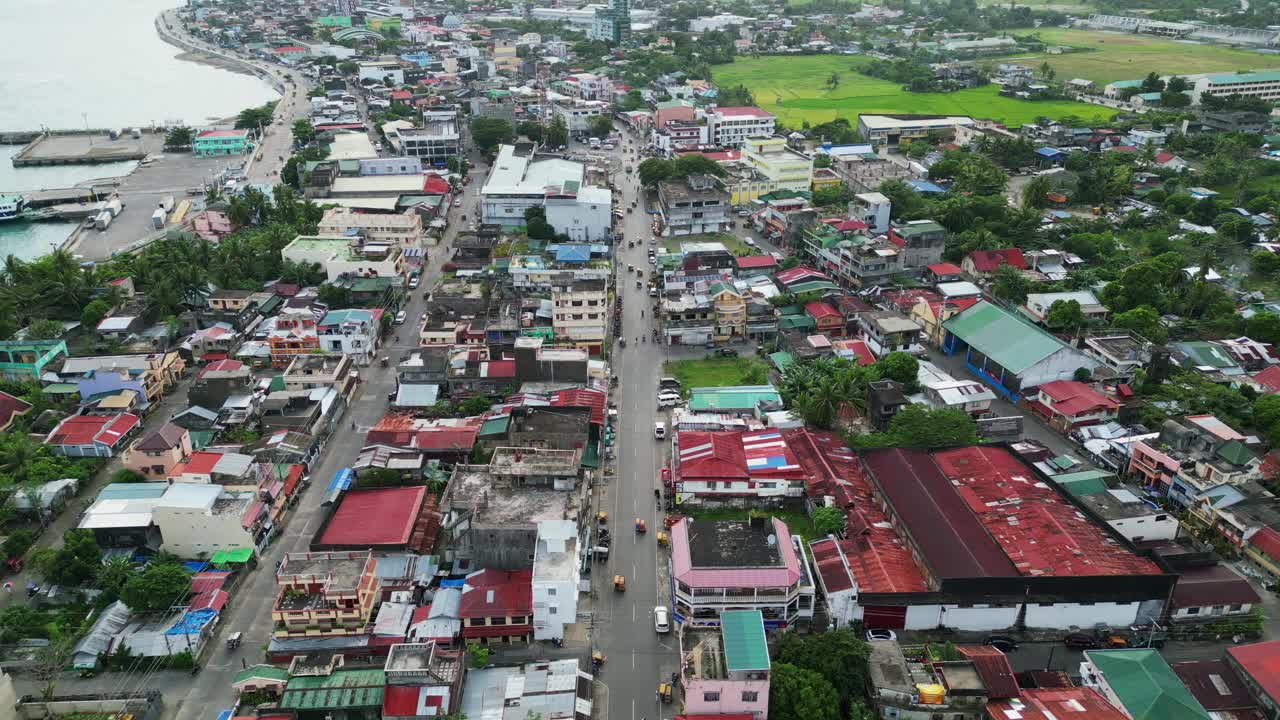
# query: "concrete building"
{"points": [[341, 255], [382, 71], [200, 520], [433, 143], [1118, 507], [294, 334], [208, 143], [893, 129], [402, 229], [1264, 85], [693, 206], [579, 115], [786, 169], [324, 594], [1256, 664], [99, 436], [733, 126], [725, 671], [152, 375], [719, 565], [24, 361], [612, 24], [155, 454], [886, 331], [557, 563], [355, 332], [581, 312], [872, 209], [519, 181], [920, 242], [912, 690]]}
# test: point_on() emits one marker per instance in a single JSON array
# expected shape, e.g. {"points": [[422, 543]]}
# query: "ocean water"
{"points": [[69, 63]]}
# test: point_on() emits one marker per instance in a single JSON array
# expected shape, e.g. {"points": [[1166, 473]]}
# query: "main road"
{"points": [[637, 657]]}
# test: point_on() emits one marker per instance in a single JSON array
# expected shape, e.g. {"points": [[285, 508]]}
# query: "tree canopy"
{"points": [[799, 694]]}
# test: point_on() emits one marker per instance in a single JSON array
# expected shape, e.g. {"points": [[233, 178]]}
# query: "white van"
{"points": [[668, 399]]}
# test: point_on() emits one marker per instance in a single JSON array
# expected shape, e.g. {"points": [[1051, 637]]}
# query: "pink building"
{"points": [[1154, 468], [159, 451], [726, 671], [682, 113], [1069, 404]]}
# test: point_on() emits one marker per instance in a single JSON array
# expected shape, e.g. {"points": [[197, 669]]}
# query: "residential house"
{"points": [[201, 520], [1140, 682], [324, 594], [1256, 663], [294, 335], [25, 361], [725, 670], [92, 435], [1038, 305], [886, 331], [319, 371], [1120, 353], [355, 332], [150, 375], [580, 313], [554, 689], [557, 561], [497, 606], [341, 255], [423, 680], [10, 408], [157, 452], [984, 263], [785, 168], [1128, 514], [1263, 552], [755, 564], [900, 688], [730, 311], [1009, 354], [1070, 404], [1192, 458], [1210, 594], [931, 313], [319, 690], [741, 400], [401, 229], [940, 390], [218, 381], [921, 243], [827, 319]]}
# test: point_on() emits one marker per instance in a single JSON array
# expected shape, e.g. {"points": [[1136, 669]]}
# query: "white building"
{"points": [[391, 166], [588, 86], [1264, 85], [892, 129], [380, 70], [716, 22], [578, 116], [556, 562], [200, 520], [340, 255], [873, 209], [731, 126], [353, 331], [519, 180], [404, 230]]}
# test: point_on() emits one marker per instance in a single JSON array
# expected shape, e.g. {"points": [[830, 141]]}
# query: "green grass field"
{"points": [[794, 89], [715, 372], [1118, 56]]}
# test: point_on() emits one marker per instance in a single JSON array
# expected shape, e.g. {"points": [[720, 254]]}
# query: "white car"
{"points": [[881, 635], [457, 203], [401, 316], [413, 283], [659, 431], [661, 620]]}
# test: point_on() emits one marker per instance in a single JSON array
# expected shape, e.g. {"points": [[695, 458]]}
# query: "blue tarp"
{"points": [[1051, 153], [226, 714], [195, 566], [191, 622], [573, 253], [924, 186], [453, 583], [341, 481]]}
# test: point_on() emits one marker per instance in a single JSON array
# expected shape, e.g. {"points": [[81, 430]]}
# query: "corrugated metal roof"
{"points": [[744, 644], [341, 689], [1146, 685], [1002, 337]]}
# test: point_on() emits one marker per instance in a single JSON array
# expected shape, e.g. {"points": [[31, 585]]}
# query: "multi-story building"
{"points": [[725, 671], [580, 314], [854, 260], [341, 255], [921, 242], [403, 229], [319, 370], [24, 361], [201, 520], [325, 594], [893, 129], [519, 181], [1264, 85], [612, 24], [433, 143], [354, 332], [1193, 458], [696, 205], [733, 126], [294, 334], [1139, 681], [730, 311], [578, 115], [587, 86], [497, 606], [505, 57], [220, 142], [381, 71], [886, 331], [872, 208], [719, 565], [151, 375], [557, 560], [155, 454], [785, 168]]}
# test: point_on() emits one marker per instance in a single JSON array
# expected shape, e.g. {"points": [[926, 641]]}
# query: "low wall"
{"points": [[142, 706]]}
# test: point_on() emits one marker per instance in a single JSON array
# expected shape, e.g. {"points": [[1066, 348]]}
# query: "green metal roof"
{"points": [[1236, 453], [357, 688], [239, 555], [813, 285], [1265, 76], [61, 389], [267, 672], [1086, 482], [201, 439], [791, 310], [1001, 336], [1146, 685], [277, 384], [797, 322], [744, 644], [1207, 354], [495, 425], [741, 397], [919, 227], [1126, 83], [782, 360]]}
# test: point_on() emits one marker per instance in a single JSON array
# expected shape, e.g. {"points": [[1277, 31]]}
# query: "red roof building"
{"points": [[1055, 704], [945, 272], [759, 463], [444, 439], [1268, 379], [800, 274], [396, 511], [10, 408], [756, 262], [92, 435], [1218, 689], [1263, 549], [985, 262], [1259, 668], [855, 350], [497, 606], [1068, 404], [829, 321], [994, 669], [1211, 592], [434, 185]]}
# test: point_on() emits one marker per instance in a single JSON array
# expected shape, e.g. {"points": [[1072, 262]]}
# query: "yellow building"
{"points": [[745, 184], [824, 178], [785, 168], [731, 311]]}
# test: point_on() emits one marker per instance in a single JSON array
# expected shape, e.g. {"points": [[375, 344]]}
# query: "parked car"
{"points": [[661, 620], [413, 283], [1003, 643], [668, 382], [1081, 641], [401, 316], [727, 352], [882, 635], [668, 399]]}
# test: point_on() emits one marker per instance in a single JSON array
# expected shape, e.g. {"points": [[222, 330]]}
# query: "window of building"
{"points": [[750, 696], [711, 697]]}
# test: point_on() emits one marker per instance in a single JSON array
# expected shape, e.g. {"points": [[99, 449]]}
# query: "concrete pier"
{"points": [[82, 148]]}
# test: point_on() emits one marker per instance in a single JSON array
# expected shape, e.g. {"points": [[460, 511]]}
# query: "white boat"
{"points": [[11, 206]]}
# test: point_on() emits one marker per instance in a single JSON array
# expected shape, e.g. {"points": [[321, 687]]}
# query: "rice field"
{"points": [[795, 89]]}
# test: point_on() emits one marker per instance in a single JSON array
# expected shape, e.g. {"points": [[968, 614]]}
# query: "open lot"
{"points": [[794, 89], [798, 522], [732, 243], [717, 372], [1121, 56]]}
